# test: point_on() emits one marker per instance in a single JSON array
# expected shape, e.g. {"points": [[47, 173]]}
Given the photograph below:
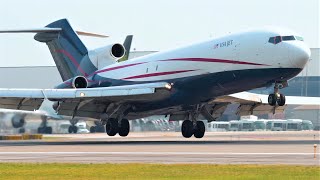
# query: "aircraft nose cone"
{"points": [[301, 56]]}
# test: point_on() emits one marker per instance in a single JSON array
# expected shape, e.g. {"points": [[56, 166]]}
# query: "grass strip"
{"points": [[155, 171]]}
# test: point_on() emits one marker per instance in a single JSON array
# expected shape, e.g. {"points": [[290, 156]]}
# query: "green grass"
{"points": [[155, 171]]}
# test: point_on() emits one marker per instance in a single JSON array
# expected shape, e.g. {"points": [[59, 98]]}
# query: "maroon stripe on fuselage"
{"points": [[215, 60], [73, 60], [157, 74]]}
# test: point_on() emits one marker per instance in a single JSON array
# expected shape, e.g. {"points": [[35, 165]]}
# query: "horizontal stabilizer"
{"points": [[35, 30], [82, 33], [51, 30]]}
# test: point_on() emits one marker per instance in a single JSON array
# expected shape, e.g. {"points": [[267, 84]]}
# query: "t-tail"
{"points": [[73, 60], [67, 50]]}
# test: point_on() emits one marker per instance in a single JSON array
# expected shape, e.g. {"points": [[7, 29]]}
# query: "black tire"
{"points": [[100, 129], [92, 129], [48, 130], [40, 130], [187, 129], [75, 129], [199, 130], [124, 128], [112, 127], [22, 130], [272, 99], [282, 100], [70, 129]]}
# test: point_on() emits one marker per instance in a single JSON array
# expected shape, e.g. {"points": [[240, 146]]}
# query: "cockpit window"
{"points": [[278, 39], [275, 40], [288, 38], [299, 38]]}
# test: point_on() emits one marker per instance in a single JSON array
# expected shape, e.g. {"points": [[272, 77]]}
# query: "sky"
{"points": [[156, 25]]}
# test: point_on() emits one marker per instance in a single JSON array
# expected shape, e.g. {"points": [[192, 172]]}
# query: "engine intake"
{"points": [[79, 82], [117, 51], [76, 82], [17, 122]]}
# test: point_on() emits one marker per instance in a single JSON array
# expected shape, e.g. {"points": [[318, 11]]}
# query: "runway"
{"points": [[168, 147]]}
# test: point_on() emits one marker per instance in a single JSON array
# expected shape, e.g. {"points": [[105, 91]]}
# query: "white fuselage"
{"points": [[241, 51]]}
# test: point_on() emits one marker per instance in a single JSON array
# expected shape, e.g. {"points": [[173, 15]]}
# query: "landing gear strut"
{"points": [[277, 97]]}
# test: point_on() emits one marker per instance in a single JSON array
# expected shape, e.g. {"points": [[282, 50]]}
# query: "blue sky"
{"points": [[156, 25]]}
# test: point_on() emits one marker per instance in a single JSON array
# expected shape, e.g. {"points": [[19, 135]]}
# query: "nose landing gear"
{"points": [[277, 97]]}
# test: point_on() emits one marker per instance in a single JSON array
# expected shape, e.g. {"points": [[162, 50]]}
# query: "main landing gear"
{"points": [[114, 126], [276, 97], [194, 127], [190, 128], [73, 128], [44, 128]]}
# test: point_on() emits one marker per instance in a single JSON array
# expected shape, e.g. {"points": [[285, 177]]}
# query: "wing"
{"points": [[22, 112], [251, 103], [89, 102]]}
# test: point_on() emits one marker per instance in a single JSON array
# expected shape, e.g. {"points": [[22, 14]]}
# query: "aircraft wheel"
{"points": [[73, 129], [187, 129], [45, 130], [100, 128], [22, 130], [199, 129], [92, 129], [281, 100], [48, 130], [124, 128], [40, 130], [272, 99], [112, 127], [70, 129]]}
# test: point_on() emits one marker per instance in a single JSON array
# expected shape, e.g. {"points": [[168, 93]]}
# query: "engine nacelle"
{"points": [[107, 55], [76, 82], [79, 82], [17, 121]]}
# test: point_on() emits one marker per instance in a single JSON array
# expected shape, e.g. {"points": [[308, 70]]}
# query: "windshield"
{"points": [[278, 39]]}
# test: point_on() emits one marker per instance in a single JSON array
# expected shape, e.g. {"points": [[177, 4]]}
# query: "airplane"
{"points": [[184, 83], [17, 118]]}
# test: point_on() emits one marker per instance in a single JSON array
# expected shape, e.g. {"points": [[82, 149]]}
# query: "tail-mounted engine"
{"points": [[107, 55], [76, 82]]}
